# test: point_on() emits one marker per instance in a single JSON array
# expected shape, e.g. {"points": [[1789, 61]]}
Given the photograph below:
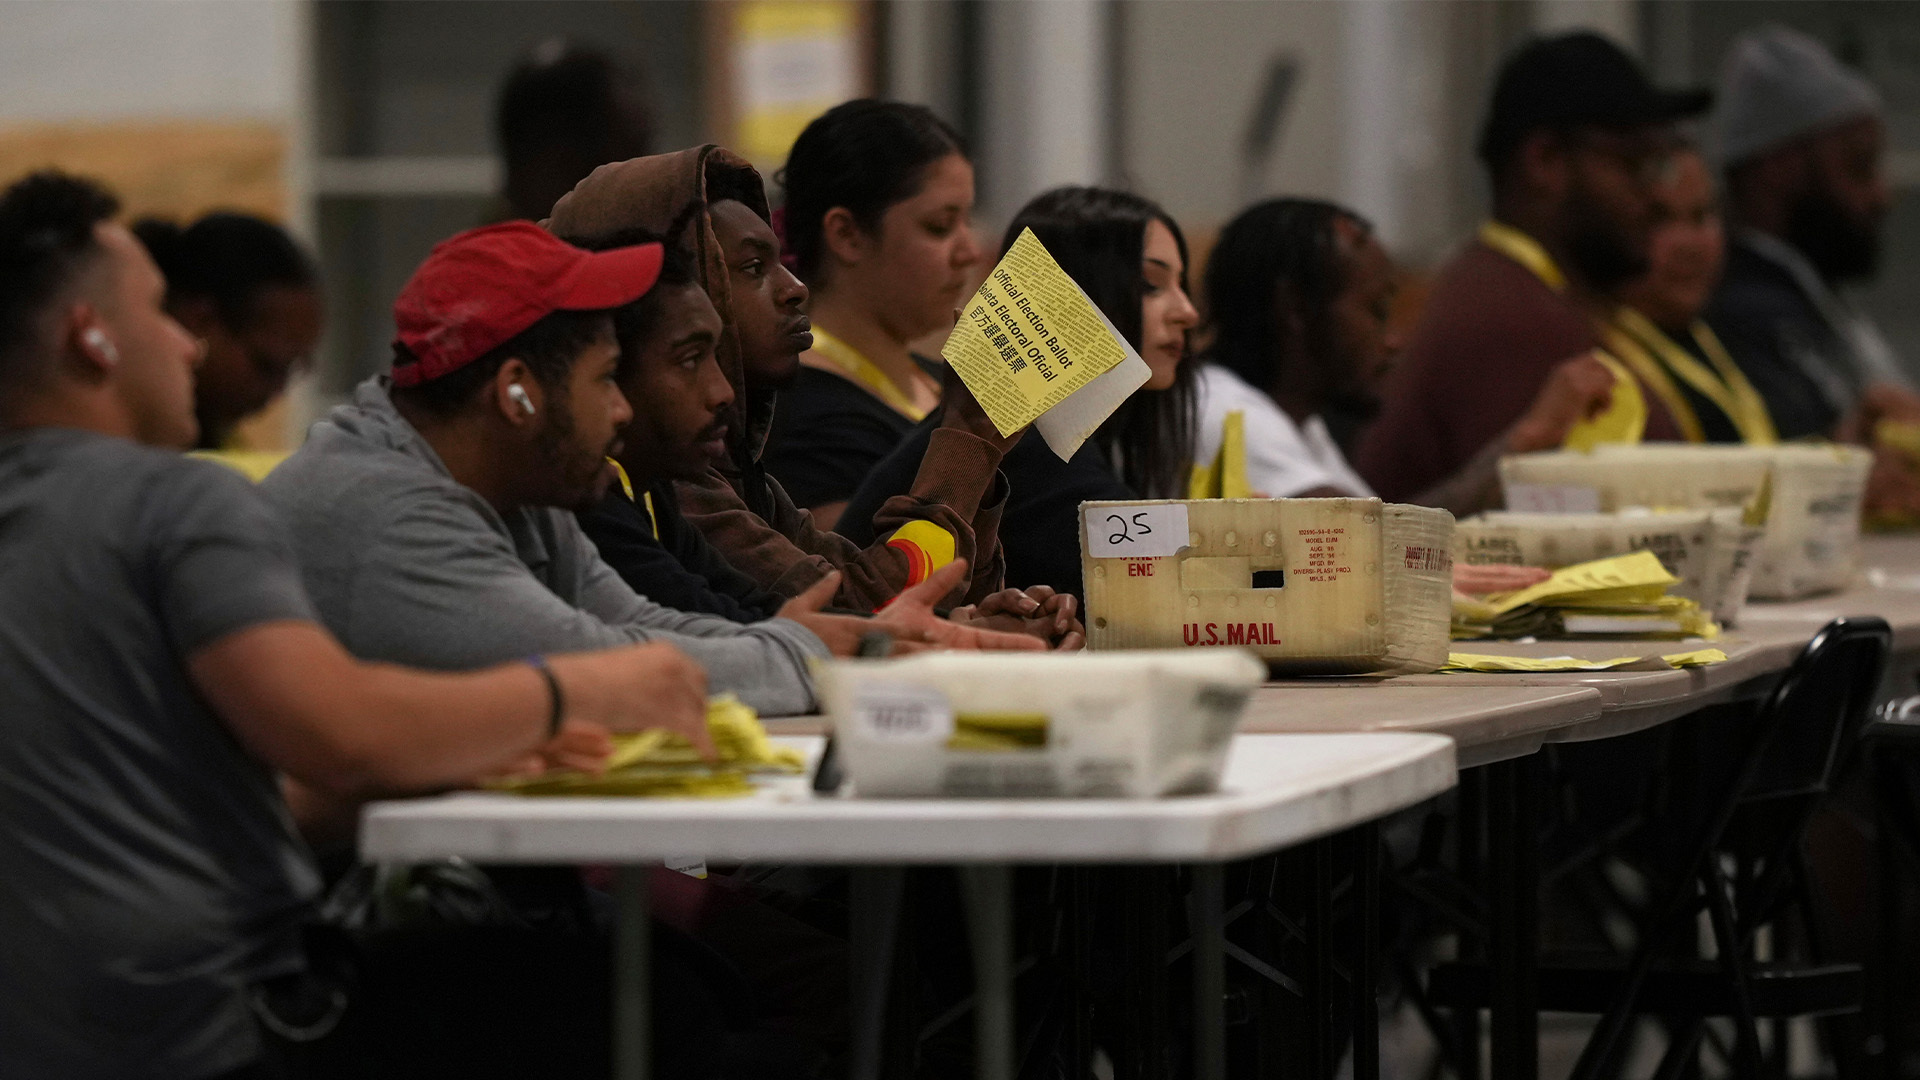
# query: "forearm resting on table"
{"points": [[353, 730], [1476, 486]]}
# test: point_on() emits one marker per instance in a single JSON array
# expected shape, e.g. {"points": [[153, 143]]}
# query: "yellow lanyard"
{"points": [[1524, 250], [863, 372], [1652, 355], [645, 499], [1722, 383]]}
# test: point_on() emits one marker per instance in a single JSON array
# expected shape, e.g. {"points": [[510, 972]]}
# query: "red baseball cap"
{"points": [[480, 288]]}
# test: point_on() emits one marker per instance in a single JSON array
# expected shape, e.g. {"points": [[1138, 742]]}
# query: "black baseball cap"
{"points": [[1577, 78]]}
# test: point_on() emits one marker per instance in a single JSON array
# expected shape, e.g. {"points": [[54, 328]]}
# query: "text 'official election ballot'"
{"points": [[1035, 350], [1312, 586]]}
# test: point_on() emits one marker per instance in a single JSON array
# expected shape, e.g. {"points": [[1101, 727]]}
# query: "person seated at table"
{"points": [[243, 286], [669, 372], [716, 201], [1299, 303], [162, 663], [1574, 139], [430, 513], [1130, 257], [433, 515], [878, 219], [1658, 331], [1803, 145]]}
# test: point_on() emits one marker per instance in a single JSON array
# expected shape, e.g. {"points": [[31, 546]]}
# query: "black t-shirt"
{"points": [[1040, 528], [828, 431], [1781, 342], [1715, 425], [679, 569]]}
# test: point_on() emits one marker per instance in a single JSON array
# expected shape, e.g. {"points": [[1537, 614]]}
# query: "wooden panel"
{"points": [[177, 170], [171, 169]]}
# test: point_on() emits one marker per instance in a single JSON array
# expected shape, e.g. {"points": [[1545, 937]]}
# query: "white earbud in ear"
{"points": [[98, 338], [521, 398]]}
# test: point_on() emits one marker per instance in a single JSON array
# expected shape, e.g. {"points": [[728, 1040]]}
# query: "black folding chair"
{"points": [[1741, 865], [1892, 744]]}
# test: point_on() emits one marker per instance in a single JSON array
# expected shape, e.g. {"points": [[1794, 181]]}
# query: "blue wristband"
{"points": [[539, 664]]}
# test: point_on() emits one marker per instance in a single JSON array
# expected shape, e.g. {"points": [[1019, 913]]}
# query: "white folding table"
{"points": [[1278, 791]]}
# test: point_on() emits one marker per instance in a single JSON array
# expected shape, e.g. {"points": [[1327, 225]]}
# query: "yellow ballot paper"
{"points": [[1225, 477], [664, 764], [1035, 350], [1624, 420], [1537, 664]]}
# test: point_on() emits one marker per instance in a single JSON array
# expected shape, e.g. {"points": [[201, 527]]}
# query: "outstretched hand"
{"points": [[1579, 389], [909, 619], [913, 611], [1037, 612]]}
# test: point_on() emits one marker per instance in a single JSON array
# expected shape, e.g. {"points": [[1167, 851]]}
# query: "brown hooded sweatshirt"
{"points": [[742, 510]]}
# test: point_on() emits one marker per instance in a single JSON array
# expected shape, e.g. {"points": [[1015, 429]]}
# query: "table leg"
{"points": [[1513, 861], [1365, 841], [1209, 972], [632, 981], [989, 892], [874, 900], [1470, 837], [1320, 995], [1076, 998]]}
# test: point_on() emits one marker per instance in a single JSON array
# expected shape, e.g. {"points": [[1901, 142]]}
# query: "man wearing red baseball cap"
{"points": [[430, 513]]}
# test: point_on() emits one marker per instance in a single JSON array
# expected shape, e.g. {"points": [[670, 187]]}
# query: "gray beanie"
{"points": [[1780, 84]]}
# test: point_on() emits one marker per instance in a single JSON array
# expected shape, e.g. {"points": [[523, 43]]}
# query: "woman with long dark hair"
{"points": [[1131, 259], [1300, 300], [878, 200]]}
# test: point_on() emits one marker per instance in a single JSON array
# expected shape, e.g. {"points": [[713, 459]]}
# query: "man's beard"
{"points": [[575, 477], [1602, 253], [1838, 245]]}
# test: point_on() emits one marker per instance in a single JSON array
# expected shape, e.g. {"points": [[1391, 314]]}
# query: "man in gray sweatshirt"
{"points": [[431, 514]]}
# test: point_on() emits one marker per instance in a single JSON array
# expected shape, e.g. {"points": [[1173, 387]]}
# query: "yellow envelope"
{"points": [[1488, 662], [1225, 477], [1623, 421], [663, 763], [1640, 570]]}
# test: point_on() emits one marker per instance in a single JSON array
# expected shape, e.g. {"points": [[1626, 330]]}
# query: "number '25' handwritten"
{"points": [[1129, 530]]}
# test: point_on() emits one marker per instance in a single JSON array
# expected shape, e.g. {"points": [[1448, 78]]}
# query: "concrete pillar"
{"points": [[923, 55], [1393, 75], [1044, 118]]}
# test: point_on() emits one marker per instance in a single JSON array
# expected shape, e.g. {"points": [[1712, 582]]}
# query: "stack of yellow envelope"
{"points": [[663, 763], [1622, 596]]}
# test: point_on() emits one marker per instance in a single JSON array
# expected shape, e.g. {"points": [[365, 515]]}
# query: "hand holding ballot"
{"points": [[1033, 349], [962, 411]]}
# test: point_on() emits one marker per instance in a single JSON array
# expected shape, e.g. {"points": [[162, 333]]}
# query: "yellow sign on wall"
{"points": [[792, 61]]}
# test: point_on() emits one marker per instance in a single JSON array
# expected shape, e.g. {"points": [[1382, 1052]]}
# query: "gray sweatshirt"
{"points": [[406, 565]]}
